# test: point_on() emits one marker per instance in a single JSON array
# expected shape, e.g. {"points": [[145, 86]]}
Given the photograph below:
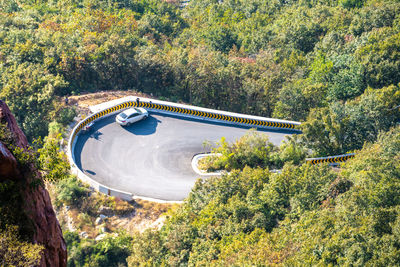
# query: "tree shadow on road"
{"points": [[144, 127], [90, 172], [96, 135]]}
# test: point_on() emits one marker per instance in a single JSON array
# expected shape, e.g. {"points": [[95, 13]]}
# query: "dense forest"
{"points": [[333, 65], [307, 215]]}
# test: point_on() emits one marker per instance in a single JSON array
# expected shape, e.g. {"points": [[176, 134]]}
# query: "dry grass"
{"points": [[146, 215], [151, 210], [91, 99], [132, 216], [82, 102]]}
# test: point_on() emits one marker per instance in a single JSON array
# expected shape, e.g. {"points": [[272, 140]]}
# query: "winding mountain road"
{"points": [[152, 158]]}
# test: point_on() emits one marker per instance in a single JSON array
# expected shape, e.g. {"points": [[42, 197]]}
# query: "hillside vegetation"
{"points": [[308, 215], [333, 65]]}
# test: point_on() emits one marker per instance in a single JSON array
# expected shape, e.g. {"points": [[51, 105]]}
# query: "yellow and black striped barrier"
{"points": [[186, 111], [331, 159], [217, 116]]}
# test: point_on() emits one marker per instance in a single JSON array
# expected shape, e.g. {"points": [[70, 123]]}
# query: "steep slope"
{"points": [[35, 207]]}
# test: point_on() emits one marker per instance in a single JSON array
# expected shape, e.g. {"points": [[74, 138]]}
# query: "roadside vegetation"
{"points": [[305, 215], [98, 229], [31, 168], [333, 65], [253, 150]]}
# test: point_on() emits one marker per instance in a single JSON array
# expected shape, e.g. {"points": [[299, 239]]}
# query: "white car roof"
{"points": [[130, 111]]}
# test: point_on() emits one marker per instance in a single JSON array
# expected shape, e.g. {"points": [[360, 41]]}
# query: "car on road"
{"points": [[131, 115]]}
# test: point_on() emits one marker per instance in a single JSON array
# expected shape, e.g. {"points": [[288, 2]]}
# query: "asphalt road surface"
{"points": [[152, 158]]}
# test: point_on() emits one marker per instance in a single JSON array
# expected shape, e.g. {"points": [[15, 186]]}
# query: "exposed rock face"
{"points": [[8, 164], [37, 204], [7, 117]]}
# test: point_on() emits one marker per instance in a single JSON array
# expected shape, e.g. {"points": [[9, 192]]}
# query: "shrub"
{"points": [[111, 251], [66, 115], [14, 252], [70, 192]]}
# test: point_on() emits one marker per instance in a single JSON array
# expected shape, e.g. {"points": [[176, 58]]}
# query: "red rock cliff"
{"points": [[37, 204]]}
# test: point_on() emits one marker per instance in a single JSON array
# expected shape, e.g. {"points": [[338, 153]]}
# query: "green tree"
{"points": [[29, 92], [380, 58], [345, 127], [70, 192], [110, 251], [52, 162], [14, 252], [220, 38]]}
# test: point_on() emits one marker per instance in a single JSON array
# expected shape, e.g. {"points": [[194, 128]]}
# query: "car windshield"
{"points": [[123, 115]]}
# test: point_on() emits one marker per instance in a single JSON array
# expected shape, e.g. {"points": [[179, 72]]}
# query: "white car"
{"points": [[131, 115]]}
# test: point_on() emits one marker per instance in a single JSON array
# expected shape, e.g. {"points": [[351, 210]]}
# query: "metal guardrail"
{"points": [[331, 159]]}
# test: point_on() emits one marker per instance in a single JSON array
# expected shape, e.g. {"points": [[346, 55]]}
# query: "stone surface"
{"points": [[100, 237], [98, 221], [106, 211], [84, 234], [36, 205], [48, 231], [8, 164]]}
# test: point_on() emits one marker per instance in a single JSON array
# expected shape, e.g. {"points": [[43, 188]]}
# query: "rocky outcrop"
{"points": [[36, 200], [8, 164], [7, 117]]}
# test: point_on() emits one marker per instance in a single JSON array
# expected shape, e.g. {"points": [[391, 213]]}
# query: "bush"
{"points": [[14, 252], [52, 162], [253, 149], [66, 115], [55, 128], [306, 215], [109, 252], [70, 192]]}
